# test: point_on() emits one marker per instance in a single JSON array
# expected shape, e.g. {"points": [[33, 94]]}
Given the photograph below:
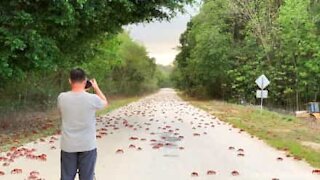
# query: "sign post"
{"points": [[262, 81]]}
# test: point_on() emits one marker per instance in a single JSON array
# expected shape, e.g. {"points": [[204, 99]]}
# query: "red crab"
{"points": [[240, 150], [119, 151], [42, 157], [280, 159], [240, 154], [235, 173], [99, 136], [133, 138], [34, 173], [196, 134], [132, 146], [2, 173], [103, 133], [316, 171], [194, 174], [211, 172], [6, 164], [16, 171], [157, 146], [30, 156], [33, 177], [231, 148]]}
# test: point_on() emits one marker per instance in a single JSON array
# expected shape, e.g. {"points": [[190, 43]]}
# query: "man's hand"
{"points": [[94, 84], [98, 91]]}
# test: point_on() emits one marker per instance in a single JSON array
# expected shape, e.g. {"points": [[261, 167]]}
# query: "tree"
{"points": [[50, 34], [230, 43]]}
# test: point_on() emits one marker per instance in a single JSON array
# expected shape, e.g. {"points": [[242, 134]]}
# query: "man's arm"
{"points": [[98, 91]]}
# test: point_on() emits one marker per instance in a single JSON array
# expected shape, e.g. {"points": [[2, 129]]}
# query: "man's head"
{"points": [[77, 78]]}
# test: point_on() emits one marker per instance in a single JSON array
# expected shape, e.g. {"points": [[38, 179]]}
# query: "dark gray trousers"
{"points": [[82, 162]]}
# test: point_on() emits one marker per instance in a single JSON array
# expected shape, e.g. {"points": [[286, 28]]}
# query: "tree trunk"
{"points": [[297, 100], [316, 95]]}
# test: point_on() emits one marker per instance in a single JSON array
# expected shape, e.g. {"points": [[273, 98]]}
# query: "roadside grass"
{"points": [[285, 132], [38, 127]]}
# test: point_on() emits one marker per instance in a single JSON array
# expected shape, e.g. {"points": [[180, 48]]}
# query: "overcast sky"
{"points": [[162, 38]]}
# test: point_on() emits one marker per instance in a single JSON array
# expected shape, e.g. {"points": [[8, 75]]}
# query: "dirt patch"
{"points": [[216, 112], [313, 145], [232, 111], [282, 130]]}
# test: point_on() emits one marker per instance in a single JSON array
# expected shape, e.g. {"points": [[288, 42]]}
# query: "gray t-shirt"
{"points": [[78, 129]]}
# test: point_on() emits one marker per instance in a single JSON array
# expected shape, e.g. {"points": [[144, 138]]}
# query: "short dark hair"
{"points": [[77, 75]]}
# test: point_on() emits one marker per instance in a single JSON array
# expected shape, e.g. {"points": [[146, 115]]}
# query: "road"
{"points": [[162, 137]]}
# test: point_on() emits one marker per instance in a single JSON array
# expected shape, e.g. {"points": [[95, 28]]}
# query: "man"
{"points": [[78, 140]]}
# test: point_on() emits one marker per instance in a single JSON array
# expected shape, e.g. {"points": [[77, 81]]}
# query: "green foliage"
{"points": [[50, 34], [42, 40], [120, 65], [136, 72], [163, 74], [230, 43]]}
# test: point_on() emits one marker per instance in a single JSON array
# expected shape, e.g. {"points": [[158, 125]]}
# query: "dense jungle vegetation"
{"points": [[42, 40], [232, 42]]}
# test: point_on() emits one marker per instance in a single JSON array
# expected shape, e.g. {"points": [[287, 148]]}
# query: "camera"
{"points": [[88, 84]]}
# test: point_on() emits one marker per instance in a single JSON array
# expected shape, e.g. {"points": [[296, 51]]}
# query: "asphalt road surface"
{"points": [[162, 137]]}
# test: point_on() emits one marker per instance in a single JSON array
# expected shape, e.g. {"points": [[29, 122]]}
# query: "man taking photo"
{"points": [[78, 141]]}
